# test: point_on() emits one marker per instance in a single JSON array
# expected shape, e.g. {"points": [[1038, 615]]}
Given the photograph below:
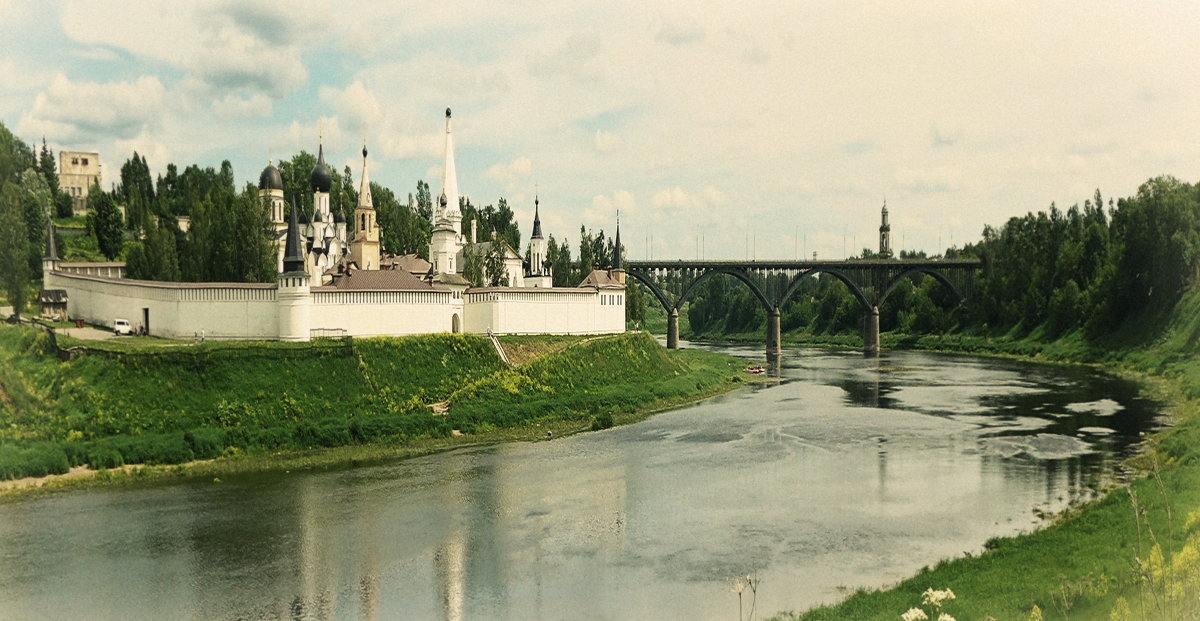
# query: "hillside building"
{"points": [[78, 171]]}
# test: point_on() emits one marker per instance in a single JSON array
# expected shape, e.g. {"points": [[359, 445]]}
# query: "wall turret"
{"points": [[293, 299]]}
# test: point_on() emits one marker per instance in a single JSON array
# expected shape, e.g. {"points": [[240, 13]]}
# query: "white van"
{"points": [[121, 326]]}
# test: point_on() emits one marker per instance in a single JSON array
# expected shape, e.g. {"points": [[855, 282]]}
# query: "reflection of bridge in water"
{"points": [[673, 282]]}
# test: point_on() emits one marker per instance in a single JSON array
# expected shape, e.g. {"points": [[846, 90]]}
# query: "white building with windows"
{"points": [[78, 171], [331, 281]]}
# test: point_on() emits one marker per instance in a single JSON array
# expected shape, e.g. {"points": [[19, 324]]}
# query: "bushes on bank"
{"points": [[181, 407]]}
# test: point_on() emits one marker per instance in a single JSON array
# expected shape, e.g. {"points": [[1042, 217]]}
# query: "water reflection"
{"points": [[847, 472]]}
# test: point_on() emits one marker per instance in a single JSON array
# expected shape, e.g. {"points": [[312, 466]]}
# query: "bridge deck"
{"points": [[771, 264]]}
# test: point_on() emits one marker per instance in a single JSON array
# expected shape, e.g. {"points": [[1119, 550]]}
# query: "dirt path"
{"points": [[73, 473]]}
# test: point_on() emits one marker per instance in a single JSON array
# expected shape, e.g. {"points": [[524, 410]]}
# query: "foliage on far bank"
{"points": [[1097, 270], [1134, 554]]}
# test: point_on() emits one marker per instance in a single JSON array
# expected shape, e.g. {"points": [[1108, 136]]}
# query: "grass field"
{"points": [[136, 401]]}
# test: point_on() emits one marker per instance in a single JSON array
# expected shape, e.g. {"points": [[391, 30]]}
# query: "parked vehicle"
{"points": [[122, 327]]}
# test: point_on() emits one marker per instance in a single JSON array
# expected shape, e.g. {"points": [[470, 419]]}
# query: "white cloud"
{"points": [[605, 141], [227, 46], [510, 173], [926, 180], [678, 201], [72, 110], [679, 34], [355, 105], [235, 107]]}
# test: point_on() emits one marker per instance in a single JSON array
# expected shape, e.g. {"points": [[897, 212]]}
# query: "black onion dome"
{"points": [[321, 177], [338, 218], [270, 179]]}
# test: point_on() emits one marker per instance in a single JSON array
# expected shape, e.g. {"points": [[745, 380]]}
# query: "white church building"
{"points": [[333, 281]]}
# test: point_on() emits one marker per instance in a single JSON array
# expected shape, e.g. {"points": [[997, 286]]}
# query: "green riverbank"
{"points": [[227, 408], [1132, 554]]}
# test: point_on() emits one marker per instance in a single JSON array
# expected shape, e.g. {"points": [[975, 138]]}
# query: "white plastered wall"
{"points": [[545, 311], [379, 313], [176, 310]]}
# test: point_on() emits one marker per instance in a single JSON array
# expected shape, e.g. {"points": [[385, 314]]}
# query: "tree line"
{"points": [[1091, 268]]}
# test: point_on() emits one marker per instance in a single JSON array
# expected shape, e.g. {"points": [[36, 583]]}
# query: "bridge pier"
{"points": [[774, 345], [871, 332], [673, 329]]}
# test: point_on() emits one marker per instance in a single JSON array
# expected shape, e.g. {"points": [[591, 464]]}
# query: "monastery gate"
{"points": [[774, 282]]}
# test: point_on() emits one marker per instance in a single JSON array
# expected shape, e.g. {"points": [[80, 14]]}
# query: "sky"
{"points": [[767, 130]]}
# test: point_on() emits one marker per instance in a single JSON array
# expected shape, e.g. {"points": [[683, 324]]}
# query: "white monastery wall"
{"points": [[544, 311], [179, 310], [382, 313]]}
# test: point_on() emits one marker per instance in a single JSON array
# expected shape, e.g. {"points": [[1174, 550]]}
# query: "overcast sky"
{"points": [[728, 129]]}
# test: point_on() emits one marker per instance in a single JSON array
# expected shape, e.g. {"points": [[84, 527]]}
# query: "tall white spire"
{"points": [[450, 180], [364, 190]]}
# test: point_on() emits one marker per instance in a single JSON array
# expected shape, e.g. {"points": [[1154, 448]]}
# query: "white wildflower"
{"points": [[934, 597], [945, 617], [914, 614]]}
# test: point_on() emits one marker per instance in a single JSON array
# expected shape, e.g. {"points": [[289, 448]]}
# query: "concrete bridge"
{"points": [[672, 282]]}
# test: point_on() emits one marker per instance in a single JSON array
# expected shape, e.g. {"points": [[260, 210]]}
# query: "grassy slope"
{"points": [[155, 405], [1079, 566]]}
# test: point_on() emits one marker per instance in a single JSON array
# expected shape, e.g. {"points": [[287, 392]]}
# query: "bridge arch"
{"points": [[736, 273], [658, 294], [853, 286], [936, 274]]}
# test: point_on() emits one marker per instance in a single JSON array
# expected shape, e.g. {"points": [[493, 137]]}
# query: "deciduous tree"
{"points": [[14, 264]]}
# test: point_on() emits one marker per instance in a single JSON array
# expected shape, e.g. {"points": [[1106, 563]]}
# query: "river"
{"points": [[848, 472]]}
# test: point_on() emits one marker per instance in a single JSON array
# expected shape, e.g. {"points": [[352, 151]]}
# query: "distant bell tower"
{"points": [[365, 247], [885, 236]]}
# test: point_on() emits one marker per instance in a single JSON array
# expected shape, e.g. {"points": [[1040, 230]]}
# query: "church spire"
{"points": [[885, 234], [450, 178], [364, 190], [537, 220], [293, 259], [617, 245], [51, 244]]}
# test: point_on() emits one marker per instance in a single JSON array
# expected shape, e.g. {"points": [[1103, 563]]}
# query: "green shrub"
{"points": [[205, 442], [602, 421], [104, 457]]}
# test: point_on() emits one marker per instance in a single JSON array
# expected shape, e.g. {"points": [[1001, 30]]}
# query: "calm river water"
{"points": [[849, 473]]}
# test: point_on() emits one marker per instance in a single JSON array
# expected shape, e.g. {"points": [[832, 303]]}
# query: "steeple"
{"points": [[617, 245], [885, 235], [51, 244], [293, 259], [50, 260], [364, 190], [450, 179], [617, 272], [364, 249], [537, 220]]}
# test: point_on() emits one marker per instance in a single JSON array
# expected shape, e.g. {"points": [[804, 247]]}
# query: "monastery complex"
{"points": [[334, 280]]}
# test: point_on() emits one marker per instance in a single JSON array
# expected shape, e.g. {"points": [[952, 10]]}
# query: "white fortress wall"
{"points": [[382, 313], [543, 311], [180, 310]]}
